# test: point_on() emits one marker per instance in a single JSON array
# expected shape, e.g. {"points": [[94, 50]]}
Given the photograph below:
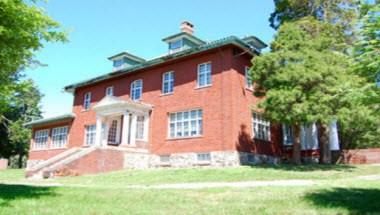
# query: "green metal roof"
{"points": [[50, 120], [233, 40], [184, 34], [128, 55]]}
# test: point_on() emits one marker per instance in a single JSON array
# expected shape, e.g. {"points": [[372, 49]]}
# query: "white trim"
{"points": [[39, 134], [133, 130], [87, 101], [64, 130], [132, 90], [179, 125], [198, 75], [109, 91], [171, 80], [248, 82], [260, 127]]}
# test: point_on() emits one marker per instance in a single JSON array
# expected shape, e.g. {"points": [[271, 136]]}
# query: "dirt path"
{"points": [[199, 185]]}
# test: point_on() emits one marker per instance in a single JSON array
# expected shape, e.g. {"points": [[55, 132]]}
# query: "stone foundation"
{"points": [[182, 160]]}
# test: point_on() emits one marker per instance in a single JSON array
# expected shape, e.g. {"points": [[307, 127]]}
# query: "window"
{"points": [[167, 82], [109, 91], [90, 135], [204, 74], [59, 137], [287, 131], [175, 46], [261, 127], [248, 79], [112, 132], [203, 157], [87, 101], [136, 89], [378, 79], [165, 158], [185, 124], [41, 139], [140, 127], [118, 62]]}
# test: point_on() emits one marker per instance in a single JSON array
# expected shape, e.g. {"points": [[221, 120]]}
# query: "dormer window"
{"points": [[124, 60], [118, 63], [175, 46]]}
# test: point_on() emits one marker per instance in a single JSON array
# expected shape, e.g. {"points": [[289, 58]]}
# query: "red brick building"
{"points": [[190, 107]]}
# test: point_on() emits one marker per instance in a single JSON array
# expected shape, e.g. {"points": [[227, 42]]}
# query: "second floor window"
{"points": [[59, 137], [248, 79], [204, 74], [87, 101], [41, 139], [167, 82], [109, 91], [261, 127], [136, 89]]}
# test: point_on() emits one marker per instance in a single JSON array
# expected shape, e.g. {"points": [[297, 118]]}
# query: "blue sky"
{"points": [[100, 28]]}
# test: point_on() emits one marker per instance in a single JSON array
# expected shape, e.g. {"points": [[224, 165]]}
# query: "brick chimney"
{"points": [[187, 27]]}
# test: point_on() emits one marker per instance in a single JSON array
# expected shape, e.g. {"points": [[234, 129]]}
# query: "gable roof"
{"points": [[231, 40]]}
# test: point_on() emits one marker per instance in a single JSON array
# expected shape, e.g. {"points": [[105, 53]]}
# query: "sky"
{"points": [[98, 29]]}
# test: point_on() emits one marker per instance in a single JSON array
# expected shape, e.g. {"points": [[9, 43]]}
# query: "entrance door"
{"points": [[114, 132]]}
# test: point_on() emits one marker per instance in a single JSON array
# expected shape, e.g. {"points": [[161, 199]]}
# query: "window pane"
{"points": [[186, 124]]}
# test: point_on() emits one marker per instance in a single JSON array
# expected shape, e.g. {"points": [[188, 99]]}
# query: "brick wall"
{"points": [[362, 156], [100, 160]]}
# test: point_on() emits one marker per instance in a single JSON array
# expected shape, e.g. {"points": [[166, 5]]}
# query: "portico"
{"points": [[121, 122]]}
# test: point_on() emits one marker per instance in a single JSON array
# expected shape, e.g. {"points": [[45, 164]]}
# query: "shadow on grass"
{"points": [[307, 168], [356, 200], [10, 193]]}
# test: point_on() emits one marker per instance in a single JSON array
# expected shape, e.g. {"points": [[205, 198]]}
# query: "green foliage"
{"points": [[23, 28], [304, 77], [338, 12], [367, 50]]}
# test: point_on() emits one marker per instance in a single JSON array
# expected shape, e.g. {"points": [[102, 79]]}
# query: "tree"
{"points": [[304, 78], [338, 12], [23, 28], [23, 108]]}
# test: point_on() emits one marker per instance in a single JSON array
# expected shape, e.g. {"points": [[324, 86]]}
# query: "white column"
{"points": [[125, 129], [333, 137], [133, 130], [98, 137], [146, 127]]}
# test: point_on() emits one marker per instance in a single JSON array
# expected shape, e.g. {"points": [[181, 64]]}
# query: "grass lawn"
{"points": [[337, 190]]}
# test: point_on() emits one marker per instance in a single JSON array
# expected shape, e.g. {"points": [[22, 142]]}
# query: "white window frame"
{"points": [[135, 89], [140, 127], [90, 133], [109, 91], [41, 139], [204, 157], [248, 81], [194, 124], [59, 136], [287, 131], [169, 81], [207, 74], [261, 127], [87, 101], [180, 43]]}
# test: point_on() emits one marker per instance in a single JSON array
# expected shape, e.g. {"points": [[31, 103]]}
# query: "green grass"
{"points": [[337, 191]]}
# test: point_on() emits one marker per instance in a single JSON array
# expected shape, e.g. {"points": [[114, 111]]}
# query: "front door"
{"points": [[114, 132]]}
